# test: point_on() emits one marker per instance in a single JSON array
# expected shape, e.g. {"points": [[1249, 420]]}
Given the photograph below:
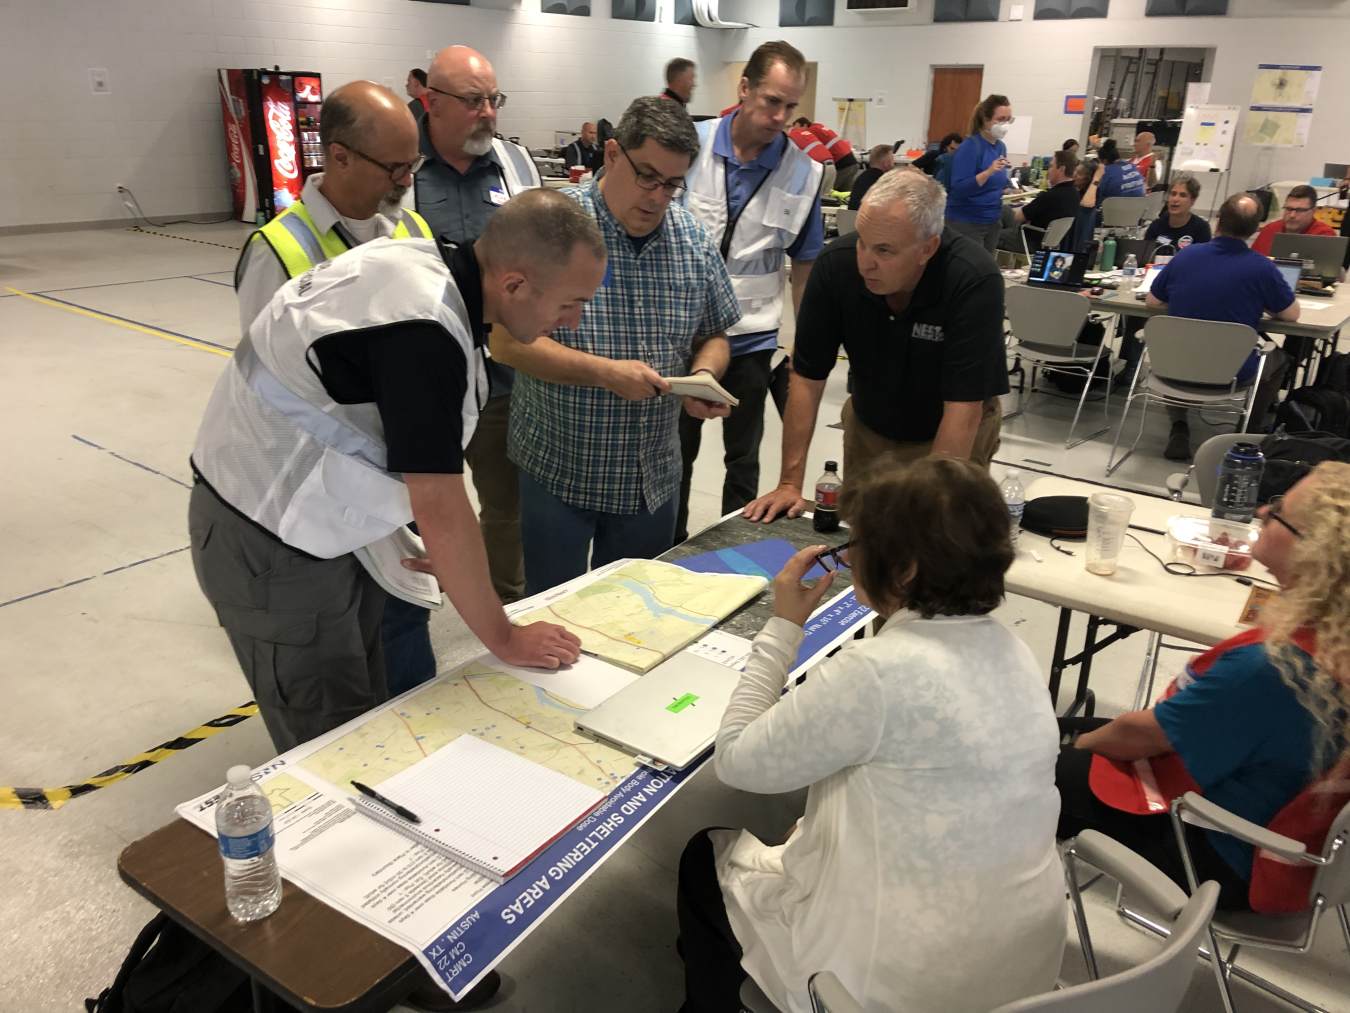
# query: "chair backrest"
{"points": [[1055, 232], [1153, 204], [1122, 212], [1332, 882], [1043, 316], [1207, 460], [844, 220], [1157, 985], [1197, 351]]}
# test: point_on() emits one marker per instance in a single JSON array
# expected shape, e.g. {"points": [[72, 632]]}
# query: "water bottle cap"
{"points": [[1010, 473], [1245, 450], [831, 465], [239, 776]]}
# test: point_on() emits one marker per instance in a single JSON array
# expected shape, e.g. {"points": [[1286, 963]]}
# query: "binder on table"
{"points": [[483, 806]]}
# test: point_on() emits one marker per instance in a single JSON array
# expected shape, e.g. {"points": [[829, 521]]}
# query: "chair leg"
{"points": [[1251, 395], [1220, 967], [1079, 916], [1345, 924], [1147, 674], [1143, 417], [1069, 444]]}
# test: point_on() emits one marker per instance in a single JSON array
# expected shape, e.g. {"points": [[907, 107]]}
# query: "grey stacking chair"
{"points": [[1153, 204], [1122, 212], [1183, 353], [1205, 468], [844, 220], [1045, 327], [1156, 986], [1051, 236]]}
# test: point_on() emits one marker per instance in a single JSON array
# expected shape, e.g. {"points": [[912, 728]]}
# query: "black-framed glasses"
{"points": [[650, 182], [396, 170], [833, 559], [1273, 514], [1297, 211], [494, 101]]}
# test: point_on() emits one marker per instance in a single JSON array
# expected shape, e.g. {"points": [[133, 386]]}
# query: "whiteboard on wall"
{"points": [[1018, 141], [1208, 134]]}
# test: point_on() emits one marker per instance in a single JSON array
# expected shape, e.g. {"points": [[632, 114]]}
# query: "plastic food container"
{"points": [[1210, 542]]}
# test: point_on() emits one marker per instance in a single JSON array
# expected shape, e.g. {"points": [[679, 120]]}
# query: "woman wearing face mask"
{"points": [[980, 174]]}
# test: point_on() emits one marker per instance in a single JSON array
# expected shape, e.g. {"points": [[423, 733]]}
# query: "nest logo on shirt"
{"points": [[928, 332]]}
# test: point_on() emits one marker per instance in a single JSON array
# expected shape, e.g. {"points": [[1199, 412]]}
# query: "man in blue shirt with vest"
{"points": [[758, 195], [1224, 280]]}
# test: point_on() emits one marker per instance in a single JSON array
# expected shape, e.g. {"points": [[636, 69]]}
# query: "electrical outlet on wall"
{"points": [[879, 99], [99, 83], [1015, 12], [389, 83]]}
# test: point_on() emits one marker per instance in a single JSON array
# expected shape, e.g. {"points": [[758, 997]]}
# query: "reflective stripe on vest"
{"points": [[758, 248], [520, 171], [299, 245]]}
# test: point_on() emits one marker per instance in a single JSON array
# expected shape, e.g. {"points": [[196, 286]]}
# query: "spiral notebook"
{"points": [[483, 806]]}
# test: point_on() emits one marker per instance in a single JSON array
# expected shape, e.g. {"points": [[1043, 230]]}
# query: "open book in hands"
{"points": [[701, 386], [383, 560]]}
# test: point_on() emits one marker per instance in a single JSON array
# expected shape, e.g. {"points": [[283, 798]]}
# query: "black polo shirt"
{"points": [[946, 345], [1059, 201]]}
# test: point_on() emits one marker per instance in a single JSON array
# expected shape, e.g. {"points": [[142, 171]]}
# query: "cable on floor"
{"points": [[133, 207]]}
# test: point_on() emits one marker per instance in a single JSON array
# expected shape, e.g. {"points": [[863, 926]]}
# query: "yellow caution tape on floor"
{"points": [[55, 798], [128, 324], [170, 235]]}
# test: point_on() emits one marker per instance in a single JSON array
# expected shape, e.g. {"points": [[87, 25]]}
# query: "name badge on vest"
{"points": [[498, 196]]}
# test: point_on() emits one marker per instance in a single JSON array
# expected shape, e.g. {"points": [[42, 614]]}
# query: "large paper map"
{"points": [[480, 701], [645, 611]]}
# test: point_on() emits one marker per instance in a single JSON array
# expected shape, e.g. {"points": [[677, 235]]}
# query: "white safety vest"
{"points": [[518, 171], [274, 444], [768, 225]]}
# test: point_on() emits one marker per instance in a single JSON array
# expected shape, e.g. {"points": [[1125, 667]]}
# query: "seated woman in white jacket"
{"points": [[924, 873]]}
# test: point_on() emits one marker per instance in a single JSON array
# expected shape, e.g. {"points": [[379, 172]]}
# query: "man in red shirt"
{"points": [[1144, 160], [1297, 220]]}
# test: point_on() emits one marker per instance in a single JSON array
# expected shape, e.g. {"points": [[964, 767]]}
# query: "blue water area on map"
{"points": [[648, 599], [757, 559]]}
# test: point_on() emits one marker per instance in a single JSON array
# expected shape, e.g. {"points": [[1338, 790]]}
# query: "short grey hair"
{"points": [[662, 121], [923, 198], [540, 226]]}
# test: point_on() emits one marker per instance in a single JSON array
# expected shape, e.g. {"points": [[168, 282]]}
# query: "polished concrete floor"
{"points": [[110, 648]]}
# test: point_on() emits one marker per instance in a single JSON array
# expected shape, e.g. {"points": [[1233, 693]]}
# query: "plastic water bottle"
{"points": [[826, 515], [244, 827], [1239, 483], [1130, 270], [1016, 498]]}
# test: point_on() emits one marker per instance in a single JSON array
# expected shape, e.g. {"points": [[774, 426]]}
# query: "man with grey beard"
{"points": [[470, 173]]}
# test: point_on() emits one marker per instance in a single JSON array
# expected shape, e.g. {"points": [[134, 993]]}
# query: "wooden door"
{"points": [[956, 93]]}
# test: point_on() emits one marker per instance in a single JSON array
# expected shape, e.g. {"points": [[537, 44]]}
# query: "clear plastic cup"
{"points": [[1108, 520]]}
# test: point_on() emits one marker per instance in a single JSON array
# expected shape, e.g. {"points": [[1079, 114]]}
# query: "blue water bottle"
{"points": [[1239, 483]]}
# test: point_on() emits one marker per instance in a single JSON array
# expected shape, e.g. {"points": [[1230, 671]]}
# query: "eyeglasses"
{"points": [[1273, 514], [833, 559], [397, 170], [1296, 211], [649, 182], [474, 101]]}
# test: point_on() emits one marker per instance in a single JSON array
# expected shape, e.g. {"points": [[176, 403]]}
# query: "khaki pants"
{"points": [[863, 447], [498, 487]]}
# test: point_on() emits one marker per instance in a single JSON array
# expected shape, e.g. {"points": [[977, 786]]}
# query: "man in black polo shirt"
{"points": [[1059, 201], [920, 313]]}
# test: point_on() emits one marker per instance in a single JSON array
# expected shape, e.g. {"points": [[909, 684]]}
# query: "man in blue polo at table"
{"points": [[593, 423], [759, 196]]}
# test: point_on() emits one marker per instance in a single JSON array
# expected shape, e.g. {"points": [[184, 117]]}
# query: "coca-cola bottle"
{"points": [[826, 517]]}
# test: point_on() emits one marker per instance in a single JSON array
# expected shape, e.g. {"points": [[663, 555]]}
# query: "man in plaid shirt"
{"points": [[594, 427]]}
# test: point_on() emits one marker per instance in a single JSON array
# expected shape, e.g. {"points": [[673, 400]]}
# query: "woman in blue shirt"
{"points": [[979, 174], [1118, 176]]}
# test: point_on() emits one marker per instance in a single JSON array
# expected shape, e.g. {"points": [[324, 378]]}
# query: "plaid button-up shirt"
{"points": [[586, 445]]}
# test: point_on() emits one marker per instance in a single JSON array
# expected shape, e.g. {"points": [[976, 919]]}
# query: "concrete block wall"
{"points": [[63, 150]]}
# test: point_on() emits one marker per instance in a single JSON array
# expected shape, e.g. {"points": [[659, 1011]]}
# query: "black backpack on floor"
{"points": [[1290, 456], [169, 970], [1314, 409]]}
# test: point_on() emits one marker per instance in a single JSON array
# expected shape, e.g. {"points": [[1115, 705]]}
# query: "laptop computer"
{"points": [[1335, 170], [670, 715], [1322, 256], [1290, 271], [1150, 276], [1058, 269]]}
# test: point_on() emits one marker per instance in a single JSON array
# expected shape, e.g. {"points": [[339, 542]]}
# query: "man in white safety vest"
{"points": [[469, 173], [342, 417], [758, 194]]}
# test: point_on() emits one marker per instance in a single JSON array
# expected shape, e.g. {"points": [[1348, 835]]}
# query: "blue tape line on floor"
{"points": [[114, 284], [144, 467], [139, 323], [198, 277], [115, 569]]}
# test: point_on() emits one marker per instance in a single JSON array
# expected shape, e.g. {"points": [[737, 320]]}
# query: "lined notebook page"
{"points": [[488, 803]]}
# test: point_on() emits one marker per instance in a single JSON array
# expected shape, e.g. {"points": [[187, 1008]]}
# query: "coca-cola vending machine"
{"points": [[272, 137]]}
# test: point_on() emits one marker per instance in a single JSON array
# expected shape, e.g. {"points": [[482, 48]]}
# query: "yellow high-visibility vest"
{"points": [[299, 244]]}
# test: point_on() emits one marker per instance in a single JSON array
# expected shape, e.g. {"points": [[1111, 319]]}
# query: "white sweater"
{"points": [[924, 873]]}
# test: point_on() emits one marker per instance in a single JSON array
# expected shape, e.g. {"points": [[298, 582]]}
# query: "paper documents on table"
{"points": [[701, 385], [641, 613], [384, 561], [457, 794]]}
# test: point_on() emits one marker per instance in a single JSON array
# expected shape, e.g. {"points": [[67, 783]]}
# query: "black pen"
{"points": [[407, 814]]}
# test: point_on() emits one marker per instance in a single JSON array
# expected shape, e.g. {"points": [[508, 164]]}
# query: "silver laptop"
{"points": [[1322, 256], [670, 716]]}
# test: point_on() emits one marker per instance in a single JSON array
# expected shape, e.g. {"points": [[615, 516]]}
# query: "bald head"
{"points": [[369, 144], [1240, 216], [361, 114], [1143, 142], [461, 123]]}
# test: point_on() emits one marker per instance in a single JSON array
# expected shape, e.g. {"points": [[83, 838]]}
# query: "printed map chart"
{"points": [[480, 701], [645, 611]]}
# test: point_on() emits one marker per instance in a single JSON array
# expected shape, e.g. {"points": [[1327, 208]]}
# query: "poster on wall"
{"points": [[1283, 95], [853, 121]]}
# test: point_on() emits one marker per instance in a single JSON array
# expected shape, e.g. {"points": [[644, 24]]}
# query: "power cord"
{"points": [[133, 207], [1187, 570]]}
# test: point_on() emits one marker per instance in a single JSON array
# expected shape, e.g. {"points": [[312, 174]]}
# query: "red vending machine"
{"points": [[272, 137]]}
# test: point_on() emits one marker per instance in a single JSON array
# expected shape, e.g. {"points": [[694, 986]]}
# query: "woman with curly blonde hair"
{"points": [[1251, 723]]}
